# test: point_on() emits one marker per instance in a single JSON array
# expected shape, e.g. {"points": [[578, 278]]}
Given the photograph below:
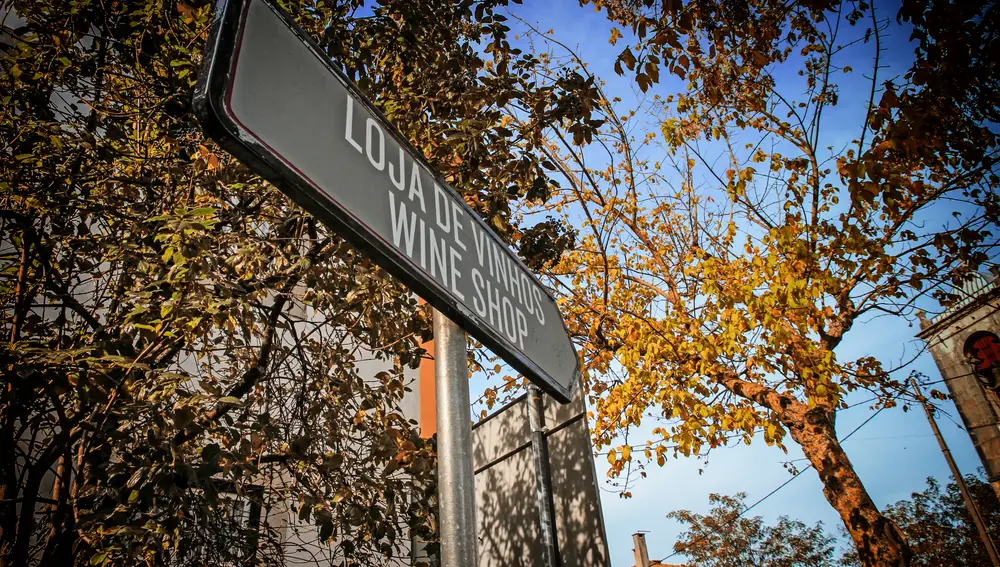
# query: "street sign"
{"points": [[270, 96]]}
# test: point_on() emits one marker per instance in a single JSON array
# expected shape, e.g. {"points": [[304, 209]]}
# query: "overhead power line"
{"points": [[766, 496]]}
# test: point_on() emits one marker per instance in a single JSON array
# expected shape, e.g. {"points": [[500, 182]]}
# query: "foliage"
{"points": [[938, 525], [711, 287], [181, 341], [726, 538]]}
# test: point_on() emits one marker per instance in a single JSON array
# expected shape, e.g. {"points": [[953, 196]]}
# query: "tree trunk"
{"points": [[879, 541], [58, 547]]}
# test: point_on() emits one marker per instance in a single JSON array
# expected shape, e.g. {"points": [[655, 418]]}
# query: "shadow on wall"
{"points": [[506, 505]]}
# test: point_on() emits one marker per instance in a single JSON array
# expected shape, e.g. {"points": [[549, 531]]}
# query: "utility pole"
{"points": [[984, 535]]}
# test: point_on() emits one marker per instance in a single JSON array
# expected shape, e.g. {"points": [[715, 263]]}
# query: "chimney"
{"points": [[641, 555]]}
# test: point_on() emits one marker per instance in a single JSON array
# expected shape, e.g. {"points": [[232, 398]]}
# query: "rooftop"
{"points": [[970, 290]]}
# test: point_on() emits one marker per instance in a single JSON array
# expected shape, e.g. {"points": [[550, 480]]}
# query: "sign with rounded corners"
{"points": [[270, 96]]}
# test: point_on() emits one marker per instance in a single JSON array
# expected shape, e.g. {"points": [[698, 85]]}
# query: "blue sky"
{"points": [[893, 453]]}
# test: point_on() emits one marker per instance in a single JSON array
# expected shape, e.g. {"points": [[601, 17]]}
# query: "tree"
{"points": [[711, 287], [181, 340], [726, 538], [938, 526]]}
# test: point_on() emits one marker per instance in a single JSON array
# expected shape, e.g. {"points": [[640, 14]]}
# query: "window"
{"points": [[982, 350]]}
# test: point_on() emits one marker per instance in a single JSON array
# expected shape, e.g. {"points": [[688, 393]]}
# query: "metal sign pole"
{"points": [[456, 476], [543, 478]]}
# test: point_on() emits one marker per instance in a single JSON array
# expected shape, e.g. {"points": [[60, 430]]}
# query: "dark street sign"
{"points": [[269, 95]]}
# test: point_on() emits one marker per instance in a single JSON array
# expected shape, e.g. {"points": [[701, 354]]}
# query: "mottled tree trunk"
{"points": [[878, 540]]}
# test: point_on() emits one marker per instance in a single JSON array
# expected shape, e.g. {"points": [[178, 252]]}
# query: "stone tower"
{"points": [[964, 343]]}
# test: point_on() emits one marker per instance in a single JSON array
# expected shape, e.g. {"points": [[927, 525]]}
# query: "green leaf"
{"points": [[341, 494], [202, 212]]}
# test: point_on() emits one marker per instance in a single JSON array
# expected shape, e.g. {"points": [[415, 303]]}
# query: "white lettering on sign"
{"points": [[503, 299], [276, 102]]}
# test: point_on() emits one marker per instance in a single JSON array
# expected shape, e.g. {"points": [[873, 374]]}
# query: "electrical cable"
{"points": [[766, 496]]}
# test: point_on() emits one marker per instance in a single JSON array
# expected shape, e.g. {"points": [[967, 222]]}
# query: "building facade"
{"points": [[508, 527], [965, 343]]}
